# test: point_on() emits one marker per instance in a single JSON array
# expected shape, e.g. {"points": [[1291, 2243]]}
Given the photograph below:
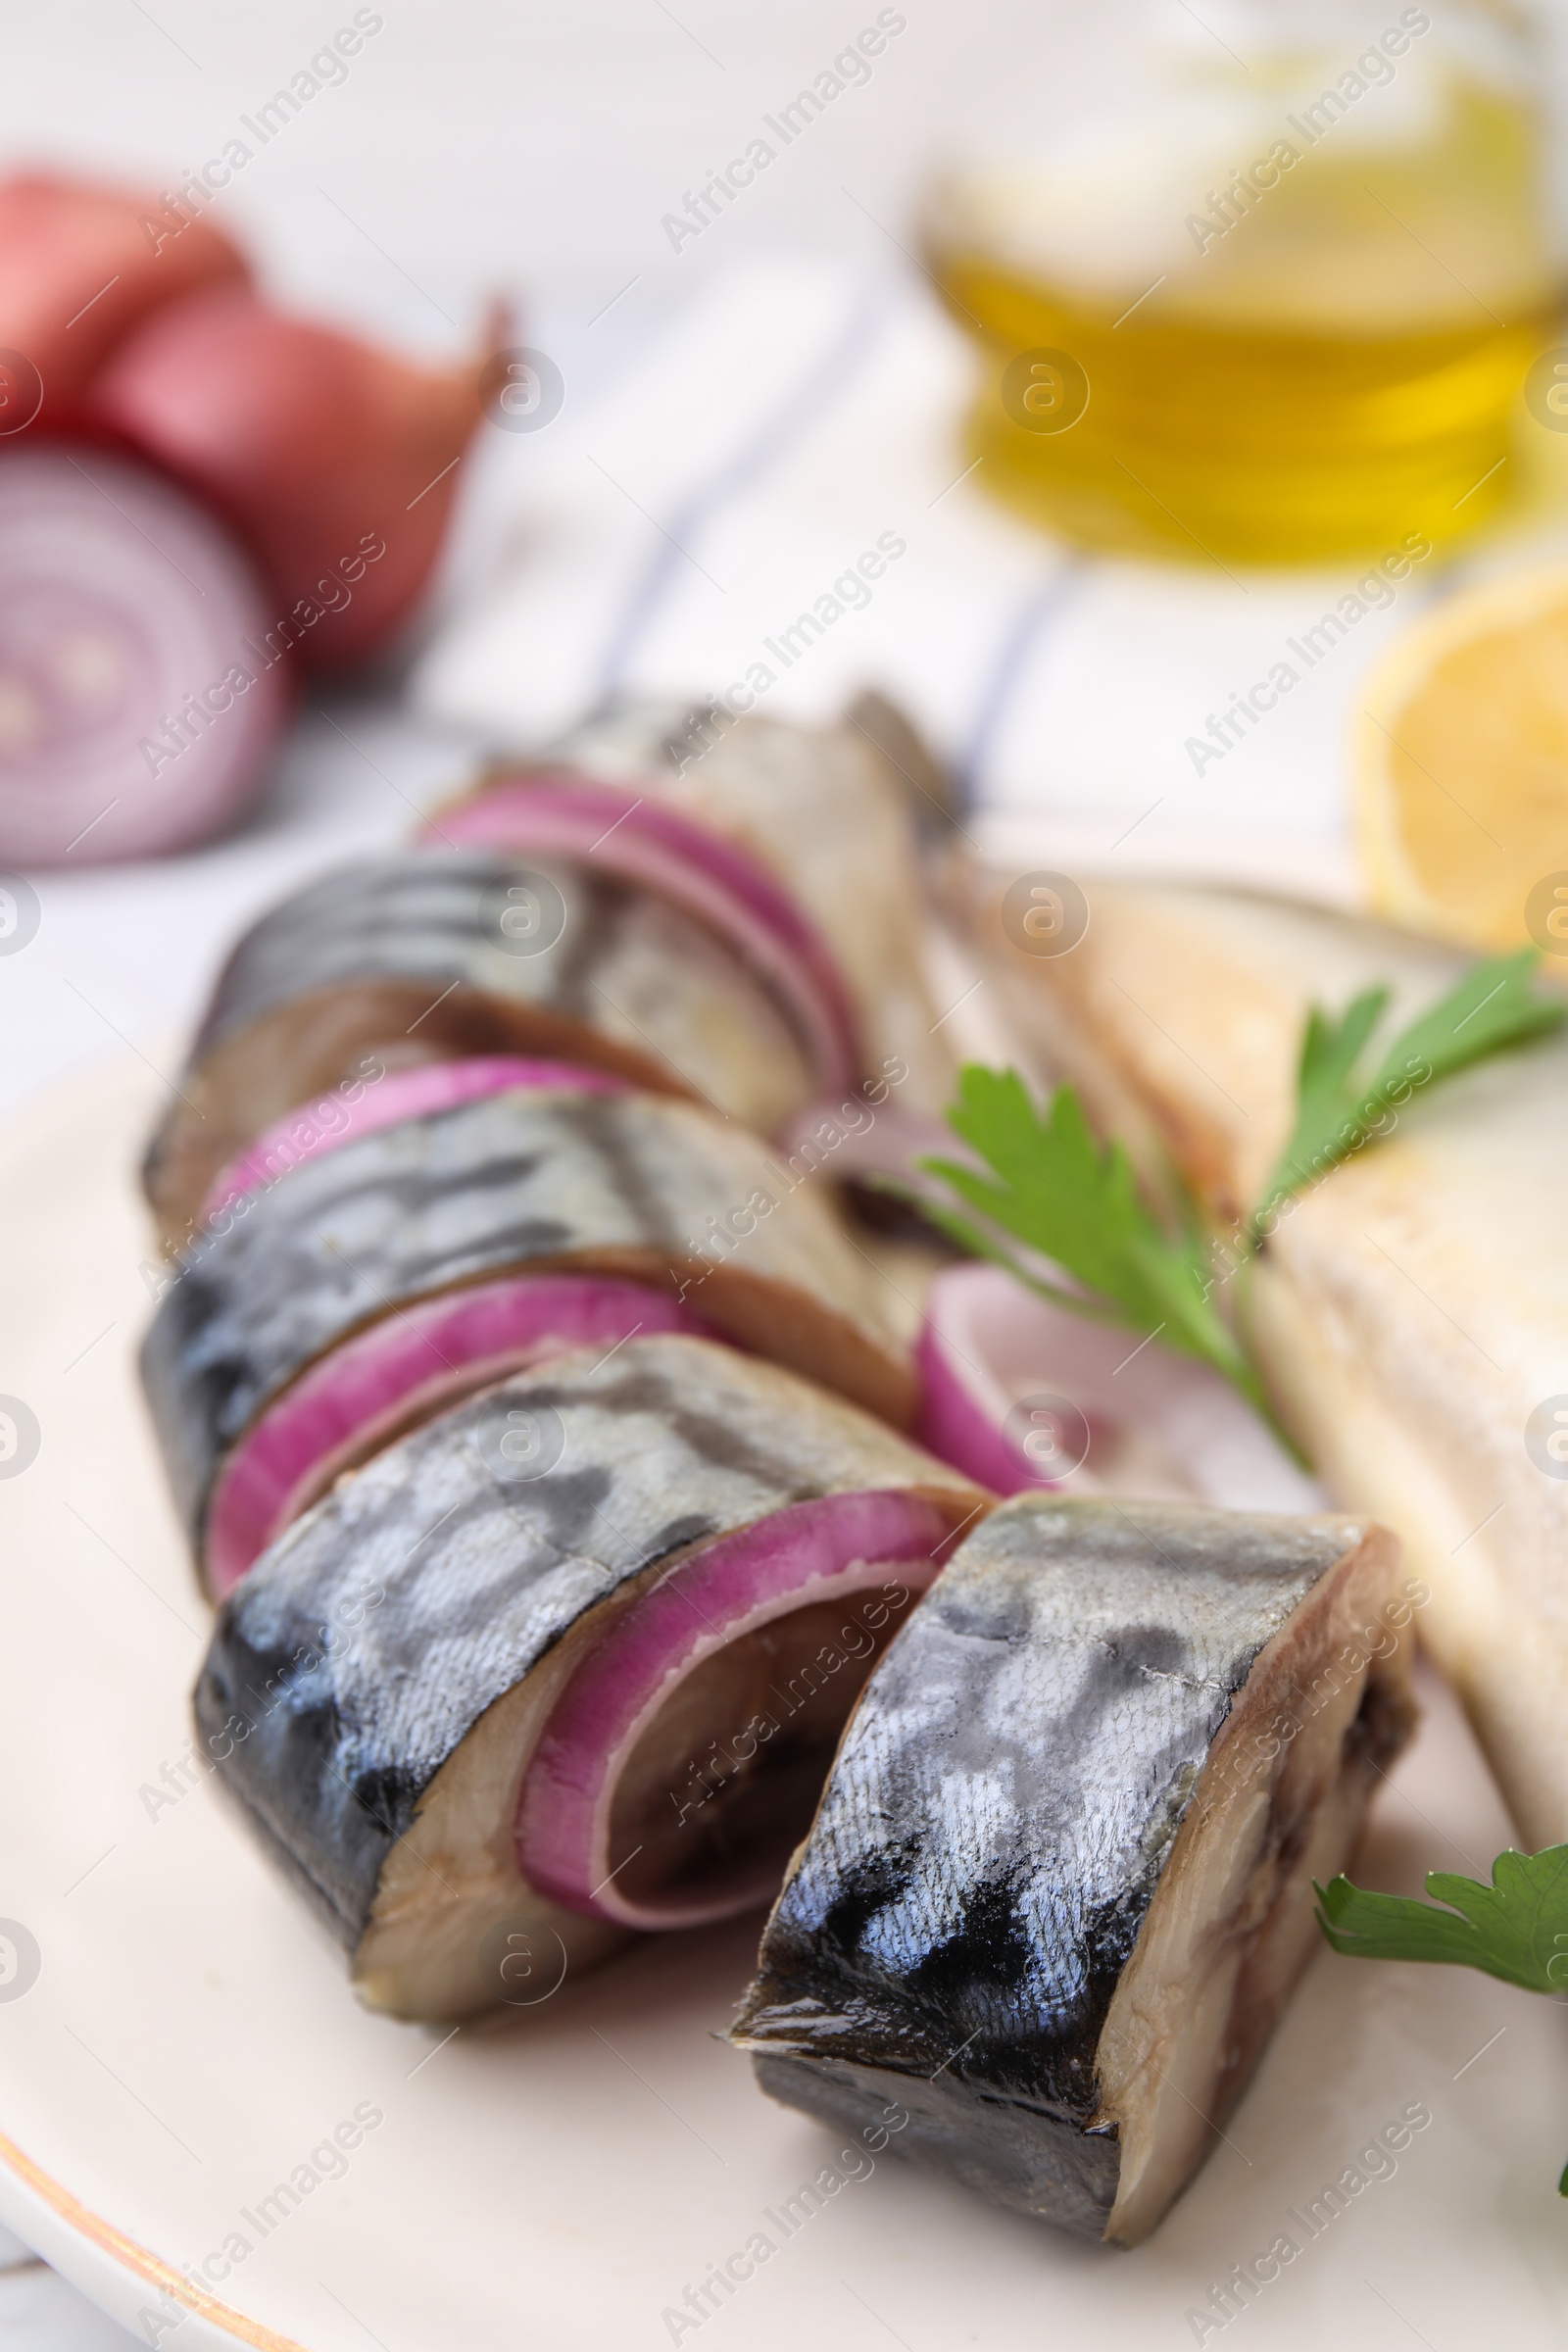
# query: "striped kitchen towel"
{"points": [[772, 503]]}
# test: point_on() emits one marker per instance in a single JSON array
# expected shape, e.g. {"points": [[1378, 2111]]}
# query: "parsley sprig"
{"points": [[1052, 1187], [1074, 1206], [1515, 1929], [1338, 1110]]}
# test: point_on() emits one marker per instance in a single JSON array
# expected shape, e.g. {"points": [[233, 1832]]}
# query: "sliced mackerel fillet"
{"points": [[1061, 1882], [432, 955], [1411, 1311], [246, 1363], [827, 812], [568, 1663]]}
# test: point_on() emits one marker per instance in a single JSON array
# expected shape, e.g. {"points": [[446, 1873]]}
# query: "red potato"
{"points": [[336, 462], [80, 267]]}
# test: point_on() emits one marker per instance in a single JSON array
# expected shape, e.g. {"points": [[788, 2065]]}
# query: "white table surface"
{"points": [[126, 955]]}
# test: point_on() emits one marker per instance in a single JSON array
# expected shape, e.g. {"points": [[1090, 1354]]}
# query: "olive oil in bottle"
{"points": [[1276, 305]]}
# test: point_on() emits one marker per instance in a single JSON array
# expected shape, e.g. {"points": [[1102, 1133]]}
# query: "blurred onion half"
{"points": [[140, 701]]}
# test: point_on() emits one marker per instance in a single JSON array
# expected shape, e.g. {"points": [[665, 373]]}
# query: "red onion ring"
{"points": [[961, 1412], [866, 1140], [396, 1094], [643, 841], [1019, 1393], [126, 616], [411, 1364], [822, 1549]]}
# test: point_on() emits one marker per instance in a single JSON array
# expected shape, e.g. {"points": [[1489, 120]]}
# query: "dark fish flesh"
{"points": [[1060, 1884]]}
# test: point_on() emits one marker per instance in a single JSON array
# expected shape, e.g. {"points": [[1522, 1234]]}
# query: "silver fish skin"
{"points": [[825, 807], [1410, 1310], [828, 810], [638, 1186], [408, 956], [1058, 1884], [374, 1687]]}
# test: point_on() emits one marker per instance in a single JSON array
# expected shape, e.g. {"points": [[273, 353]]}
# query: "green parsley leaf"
{"points": [[1325, 1099], [1490, 1010], [1515, 1929], [1045, 1182], [1053, 1189]]}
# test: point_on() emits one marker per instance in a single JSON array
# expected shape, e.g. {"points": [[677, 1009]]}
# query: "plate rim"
{"points": [[102, 2259]]}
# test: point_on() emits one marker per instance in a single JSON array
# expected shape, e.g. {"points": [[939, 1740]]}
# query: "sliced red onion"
{"points": [[396, 1094], [139, 703], [826, 1550], [404, 1369], [1020, 1394], [644, 840], [851, 1137]]}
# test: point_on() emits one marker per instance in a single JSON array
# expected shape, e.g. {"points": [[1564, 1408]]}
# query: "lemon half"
{"points": [[1459, 762]]}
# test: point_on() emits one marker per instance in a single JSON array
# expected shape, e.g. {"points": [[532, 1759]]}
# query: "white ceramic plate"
{"points": [[561, 2181]]}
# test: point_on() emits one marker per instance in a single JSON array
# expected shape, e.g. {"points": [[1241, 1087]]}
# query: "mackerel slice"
{"points": [[1061, 1883], [635, 1187], [826, 811], [377, 1687], [430, 955]]}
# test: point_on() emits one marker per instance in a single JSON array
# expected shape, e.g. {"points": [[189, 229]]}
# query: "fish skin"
{"points": [[1004, 1803], [826, 810], [529, 1178], [330, 1749], [419, 910], [1411, 1310], [403, 956]]}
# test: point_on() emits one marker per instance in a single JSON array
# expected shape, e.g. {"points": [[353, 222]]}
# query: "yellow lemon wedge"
{"points": [[1459, 768]]}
